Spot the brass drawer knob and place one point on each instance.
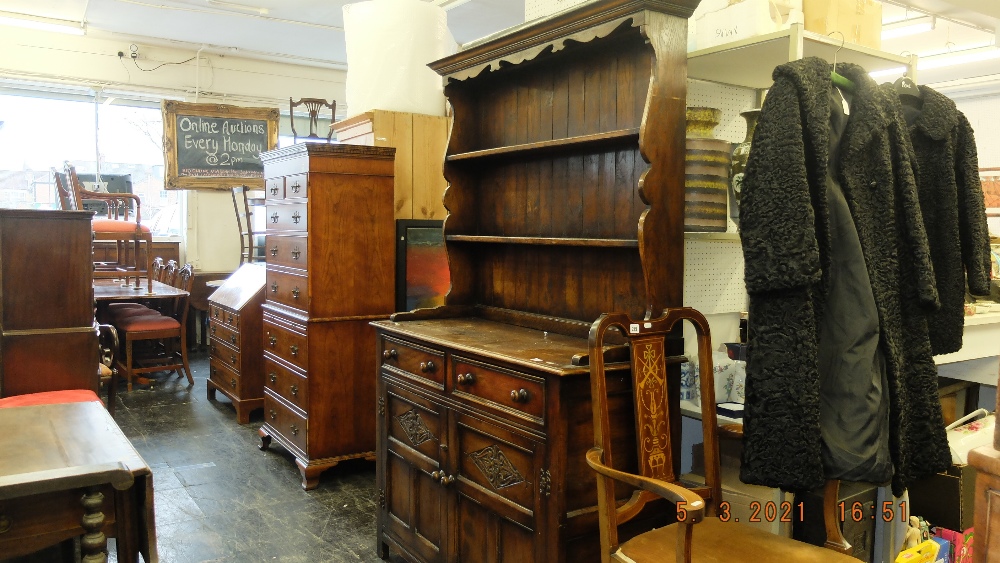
(294, 350)
(519, 396)
(5, 523)
(232, 359)
(466, 378)
(427, 366)
(274, 217)
(295, 293)
(296, 253)
(232, 338)
(389, 354)
(447, 479)
(272, 339)
(296, 217)
(274, 377)
(274, 250)
(295, 390)
(436, 475)
(233, 382)
(273, 414)
(213, 327)
(294, 429)
(274, 190)
(295, 187)
(274, 287)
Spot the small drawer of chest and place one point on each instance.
(285, 421)
(223, 316)
(423, 364)
(288, 289)
(222, 332)
(289, 251)
(286, 217)
(499, 388)
(295, 186)
(287, 344)
(224, 353)
(292, 386)
(224, 376)
(274, 188)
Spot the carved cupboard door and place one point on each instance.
(500, 485)
(413, 444)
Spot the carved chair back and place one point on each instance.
(313, 106)
(184, 279)
(169, 272)
(158, 268)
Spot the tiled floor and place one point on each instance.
(219, 498)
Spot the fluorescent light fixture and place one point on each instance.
(42, 24)
(904, 28)
(959, 58)
(894, 71)
(235, 6)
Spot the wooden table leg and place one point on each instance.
(94, 544)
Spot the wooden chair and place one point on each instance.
(313, 106)
(117, 226)
(703, 532)
(158, 327)
(108, 374)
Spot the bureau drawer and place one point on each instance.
(290, 424)
(223, 333)
(516, 393)
(292, 386)
(223, 315)
(224, 353)
(288, 289)
(423, 364)
(291, 217)
(274, 188)
(295, 186)
(286, 344)
(225, 377)
(287, 251)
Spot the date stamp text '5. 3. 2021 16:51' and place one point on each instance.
(787, 512)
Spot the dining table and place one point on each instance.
(106, 290)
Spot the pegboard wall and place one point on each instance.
(541, 8)
(730, 99)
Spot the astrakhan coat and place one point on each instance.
(785, 235)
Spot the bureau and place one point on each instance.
(235, 322)
(330, 270)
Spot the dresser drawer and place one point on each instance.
(423, 364)
(288, 289)
(506, 390)
(286, 344)
(290, 217)
(274, 188)
(291, 251)
(223, 315)
(224, 353)
(295, 186)
(223, 333)
(225, 377)
(289, 424)
(288, 383)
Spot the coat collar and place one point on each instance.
(938, 115)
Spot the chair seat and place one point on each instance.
(144, 323)
(116, 226)
(117, 307)
(740, 542)
(50, 398)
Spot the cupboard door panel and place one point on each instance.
(485, 537)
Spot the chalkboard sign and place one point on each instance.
(216, 146)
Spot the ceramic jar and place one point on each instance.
(739, 163)
(706, 173)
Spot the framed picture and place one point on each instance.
(422, 276)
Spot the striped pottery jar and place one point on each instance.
(706, 184)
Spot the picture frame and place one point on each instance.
(216, 146)
(422, 275)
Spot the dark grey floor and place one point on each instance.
(219, 498)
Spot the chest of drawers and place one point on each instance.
(330, 254)
(235, 320)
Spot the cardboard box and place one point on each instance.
(859, 20)
(946, 500)
(743, 19)
(961, 544)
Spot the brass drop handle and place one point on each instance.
(294, 350)
(213, 327)
(232, 359)
(274, 415)
(230, 321)
(389, 354)
(232, 338)
(274, 250)
(427, 366)
(212, 347)
(216, 313)
(274, 287)
(295, 217)
(295, 430)
(274, 190)
(295, 390)
(295, 293)
(274, 377)
(272, 339)
(233, 382)
(447, 479)
(296, 253)
(466, 378)
(274, 217)
(214, 371)
(295, 187)
(519, 396)
(5, 523)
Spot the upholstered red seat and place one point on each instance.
(116, 226)
(50, 398)
(147, 323)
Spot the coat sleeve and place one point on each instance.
(777, 222)
(973, 230)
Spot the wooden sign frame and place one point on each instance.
(172, 108)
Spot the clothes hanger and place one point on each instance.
(905, 87)
(838, 80)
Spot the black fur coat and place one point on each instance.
(951, 201)
(785, 235)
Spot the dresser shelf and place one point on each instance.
(540, 148)
(546, 241)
